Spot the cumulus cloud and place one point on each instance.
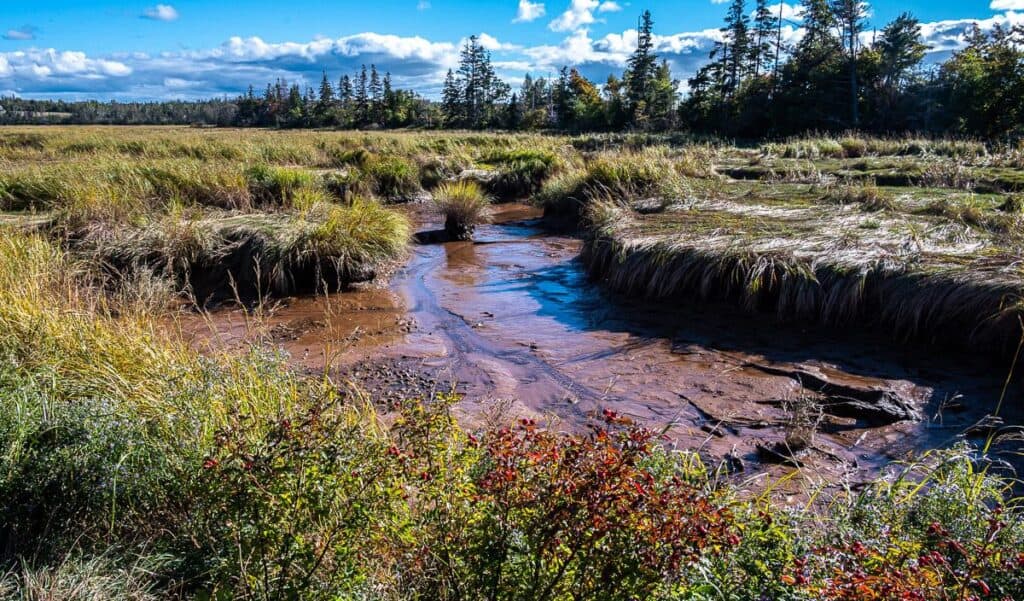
(609, 7)
(229, 68)
(579, 14)
(600, 57)
(945, 37)
(161, 12)
(788, 12)
(529, 11)
(25, 32)
(1007, 5)
(491, 43)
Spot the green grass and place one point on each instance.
(650, 172)
(520, 172)
(853, 146)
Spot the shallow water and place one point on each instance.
(513, 319)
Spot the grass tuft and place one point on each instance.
(464, 205)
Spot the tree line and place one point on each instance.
(839, 75)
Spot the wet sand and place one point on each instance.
(512, 323)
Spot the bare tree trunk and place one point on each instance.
(854, 108)
(778, 48)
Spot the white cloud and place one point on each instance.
(529, 11)
(52, 67)
(491, 43)
(177, 83)
(608, 6)
(951, 35)
(789, 12)
(26, 32)
(161, 12)
(1007, 5)
(579, 14)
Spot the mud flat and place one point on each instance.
(513, 323)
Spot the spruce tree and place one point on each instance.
(387, 99)
(641, 69)
(851, 15)
(737, 34)
(481, 89)
(451, 100)
(362, 98)
(325, 101)
(326, 90)
(765, 26)
(376, 96)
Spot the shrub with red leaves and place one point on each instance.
(943, 568)
(605, 516)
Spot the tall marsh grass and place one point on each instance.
(852, 146)
(217, 256)
(463, 205)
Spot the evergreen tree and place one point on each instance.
(326, 91)
(738, 46)
(376, 92)
(901, 50)
(641, 70)
(388, 99)
(451, 100)
(563, 99)
(663, 97)
(615, 104)
(534, 97)
(812, 93)
(345, 91)
(481, 89)
(515, 112)
(325, 102)
(527, 92)
(295, 107)
(362, 99)
(762, 50)
(851, 15)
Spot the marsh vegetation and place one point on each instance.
(135, 466)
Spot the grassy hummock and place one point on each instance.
(920, 237)
(246, 256)
(911, 272)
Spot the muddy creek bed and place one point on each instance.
(513, 322)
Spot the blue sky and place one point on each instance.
(197, 48)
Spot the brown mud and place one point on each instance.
(512, 323)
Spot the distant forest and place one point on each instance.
(754, 85)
